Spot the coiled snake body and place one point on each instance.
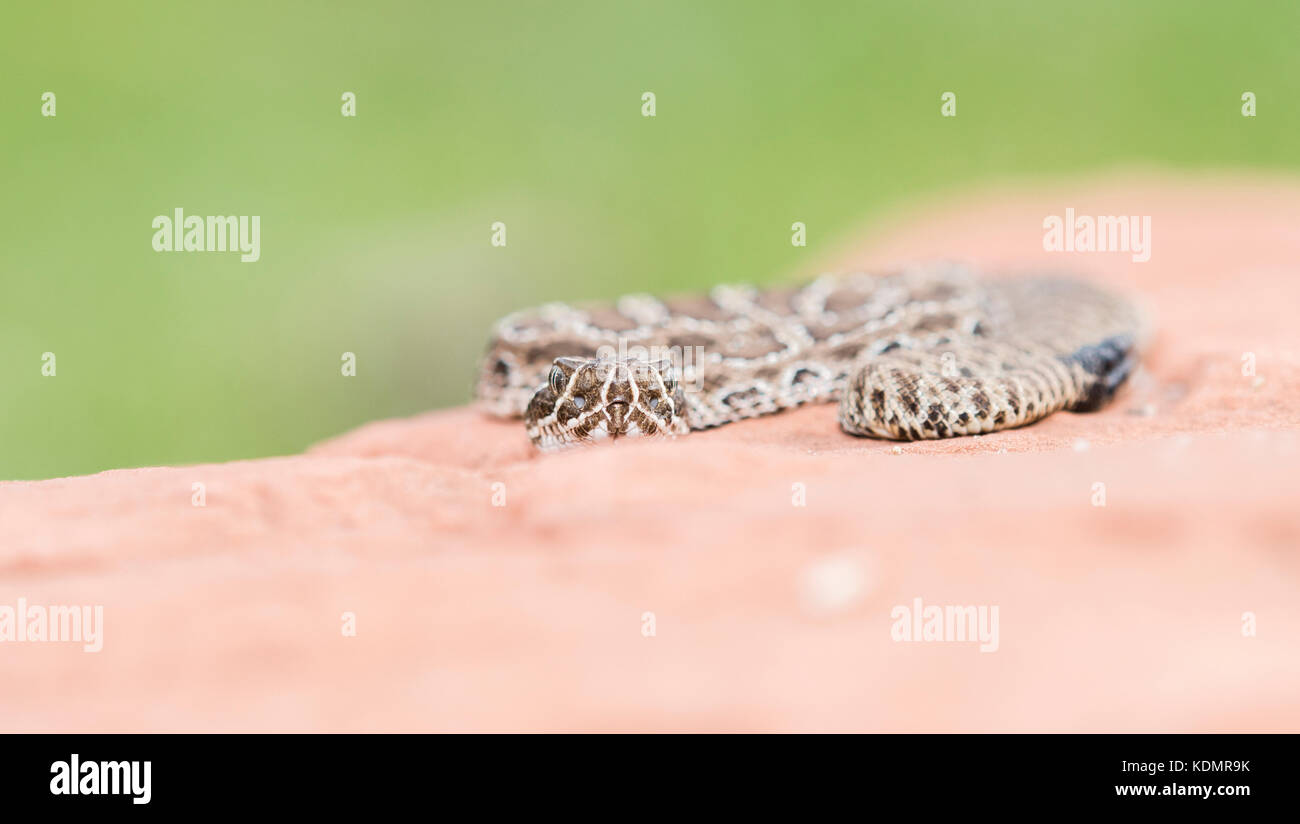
(929, 352)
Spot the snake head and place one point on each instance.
(587, 400)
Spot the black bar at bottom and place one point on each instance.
(332, 773)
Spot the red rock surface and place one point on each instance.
(768, 616)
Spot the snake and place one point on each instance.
(915, 353)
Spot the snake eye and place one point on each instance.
(557, 380)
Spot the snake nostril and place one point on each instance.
(617, 410)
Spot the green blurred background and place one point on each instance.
(375, 229)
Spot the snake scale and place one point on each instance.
(924, 352)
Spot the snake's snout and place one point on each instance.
(618, 416)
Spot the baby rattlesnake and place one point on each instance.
(928, 352)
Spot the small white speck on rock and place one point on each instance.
(1081, 445)
(835, 582)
